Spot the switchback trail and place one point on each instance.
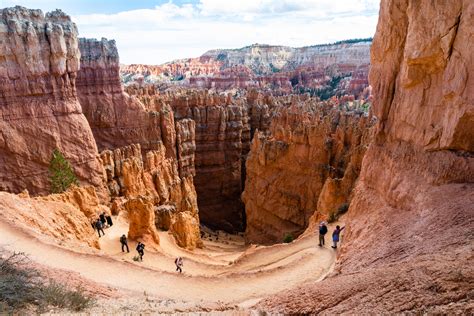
(229, 272)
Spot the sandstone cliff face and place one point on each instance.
(39, 109)
(147, 154)
(116, 119)
(62, 222)
(306, 166)
(222, 131)
(141, 185)
(326, 70)
(410, 222)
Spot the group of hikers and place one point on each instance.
(104, 221)
(141, 252)
(140, 247)
(323, 230)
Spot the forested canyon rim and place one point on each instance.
(264, 141)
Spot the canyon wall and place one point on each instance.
(116, 119)
(224, 125)
(338, 69)
(148, 156)
(306, 166)
(39, 109)
(222, 135)
(409, 236)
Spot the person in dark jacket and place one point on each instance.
(100, 227)
(108, 218)
(335, 236)
(141, 250)
(124, 242)
(323, 230)
(102, 218)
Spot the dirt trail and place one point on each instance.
(227, 271)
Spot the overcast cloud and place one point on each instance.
(179, 29)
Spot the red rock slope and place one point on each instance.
(409, 242)
(39, 109)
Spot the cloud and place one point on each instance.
(170, 31)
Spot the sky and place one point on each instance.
(157, 31)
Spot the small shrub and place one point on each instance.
(22, 286)
(334, 215)
(61, 174)
(343, 208)
(288, 238)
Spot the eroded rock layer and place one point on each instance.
(306, 166)
(116, 119)
(222, 134)
(325, 70)
(148, 155)
(410, 224)
(39, 109)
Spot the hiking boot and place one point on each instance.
(334, 247)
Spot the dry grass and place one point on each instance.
(22, 287)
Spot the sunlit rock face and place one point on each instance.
(303, 169)
(148, 156)
(39, 108)
(409, 226)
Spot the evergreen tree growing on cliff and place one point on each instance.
(61, 174)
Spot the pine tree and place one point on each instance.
(60, 173)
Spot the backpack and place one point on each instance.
(323, 230)
(123, 239)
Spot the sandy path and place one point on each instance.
(259, 272)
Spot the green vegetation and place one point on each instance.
(288, 238)
(22, 287)
(342, 209)
(347, 41)
(324, 93)
(274, 69)
(221, 57)
(60, 173)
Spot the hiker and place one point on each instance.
(124, 242)
(141, 250)
(109, 220)
(335, 235)
(323, 229)
(179, 264)
(99, 226)
(102, 218)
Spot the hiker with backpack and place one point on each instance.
(124, 242)
(102, 219)
(323, 229)
(108, 219)
(100, 227)
(141, 250)
(179, 264)
(335, 235)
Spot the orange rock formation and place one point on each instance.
(306, 166)
(409, 240)
(39, 109)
